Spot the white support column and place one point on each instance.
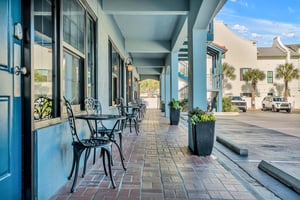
(168, 88)
(163, 86)
(197, 44)
(174, 76)
(219, 73)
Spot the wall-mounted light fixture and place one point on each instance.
(129, 65)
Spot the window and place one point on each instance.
(75, 76)
(78, 68)
(44, 73)
(269, 76)
(73, 24)
(242, 72)
(246, 94)
(116, 74)
(91, 72)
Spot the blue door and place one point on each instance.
(10, 100)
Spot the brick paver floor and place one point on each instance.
(159, 166)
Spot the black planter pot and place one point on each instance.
(162, 107)
(204, 137)
(174, 116)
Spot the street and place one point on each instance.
(270, 136)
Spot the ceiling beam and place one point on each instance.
(146, 7)
(148, 62)
(142, 70)
(144, 77)
(150, 46)
(180, 34)
(207, 12)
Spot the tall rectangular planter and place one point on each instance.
(204, 137)
(174, 116)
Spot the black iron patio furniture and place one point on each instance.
(108, 134)
(80, 145)
(99, 130)
(131, 112)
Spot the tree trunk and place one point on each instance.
(286, 90)
(253, 96)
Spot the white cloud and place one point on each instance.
(262, 30)
(288, 35)
(240, 28)
(255, 35)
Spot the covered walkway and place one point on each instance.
(159, 166)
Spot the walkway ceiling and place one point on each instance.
(154, 28)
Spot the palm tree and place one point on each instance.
(227, 72)
(288, 72)
(254, 75)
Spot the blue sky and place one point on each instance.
(262, 20)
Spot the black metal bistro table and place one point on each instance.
(109, 133)
(99, 117)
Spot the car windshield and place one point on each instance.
(278, 99)
(237, 98)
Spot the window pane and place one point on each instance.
(43, 59)
(91, 57)
(73, 24)
(270, 76)
(73, 78)
(115, 68)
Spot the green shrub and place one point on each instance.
(226, 104)
(175, 104)
(197, 115)
(234, 108)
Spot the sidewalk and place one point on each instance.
(159, 166)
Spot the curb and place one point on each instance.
(233, 146)
(280, 175)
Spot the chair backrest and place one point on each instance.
(121, 108)
(42, 108)
(71, 121)
(92, 106)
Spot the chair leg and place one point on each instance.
(109, 158)
(103, 160)
(130, 125)
(121, 154)
(94, 159)
(73, 164)
(77, 161)
(136, 127)
(87, 154)
(121, 146)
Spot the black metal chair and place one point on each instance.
(81, 145)
(130, 116)
(93, 106)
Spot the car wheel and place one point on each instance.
(244, 110)
(264, 107)
(288, 110)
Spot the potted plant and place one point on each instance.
(203, 131)
(174, 111)
(162, 105)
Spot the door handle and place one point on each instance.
(20, 70)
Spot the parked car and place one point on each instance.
(239, 102)
(275, 104)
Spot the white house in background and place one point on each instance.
(244, 54)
